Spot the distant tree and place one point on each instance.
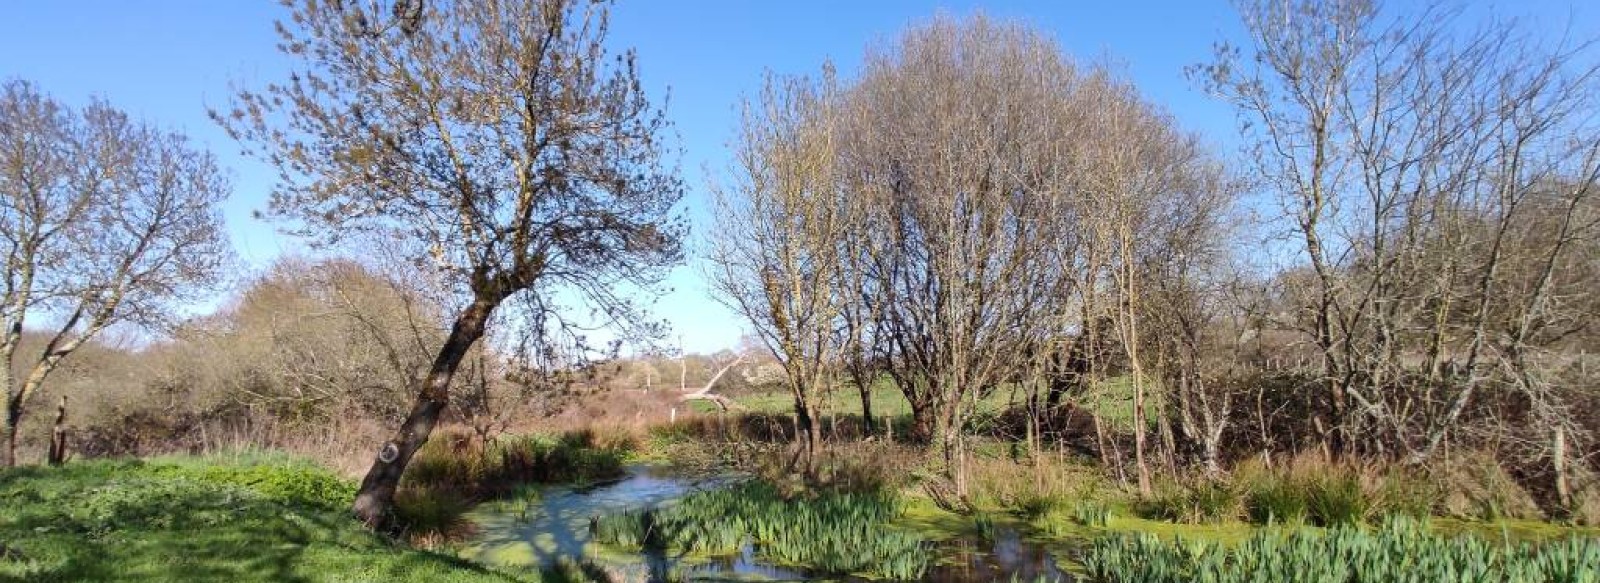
(103, 220)
(498, 140)
(306, 341)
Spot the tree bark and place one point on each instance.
(1558, 459)
(13, 416)
(58, 436)
(869, 426)
(375, 499)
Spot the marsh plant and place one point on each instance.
(830, 532)
(1091, 513)
(1402, 550)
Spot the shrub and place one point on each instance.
(454, 463)
(1477, 487)
(1214, 501)
(1408, 493)
(1034, 505)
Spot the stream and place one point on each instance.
(539, 530)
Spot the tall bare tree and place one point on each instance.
(958, 136)
(778, 261)
(104, 220)
(499, 138)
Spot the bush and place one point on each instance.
(455, 463)
(1034, 505)
(1407, 493)
(1477, 487)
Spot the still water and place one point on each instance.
(553, 524)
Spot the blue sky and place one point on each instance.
(167, 60)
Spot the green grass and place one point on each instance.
(194, 519)
(1403, 550)
(1112, 399)
(887, 402)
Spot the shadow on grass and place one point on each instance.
(121, 521)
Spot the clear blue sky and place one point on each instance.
(167, 60)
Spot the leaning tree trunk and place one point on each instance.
(375, 499)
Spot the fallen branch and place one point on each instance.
(704, 393)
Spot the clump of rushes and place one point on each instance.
(1275, 500)
(1402, 550)
(1338, 499)
(830, 532)
(1091, 513)
(1203, 502)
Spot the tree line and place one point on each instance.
(973, 211)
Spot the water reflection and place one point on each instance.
(537, 531)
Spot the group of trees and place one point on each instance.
(969, 206)
(974, 210)
(1440, 184)
(971, 212)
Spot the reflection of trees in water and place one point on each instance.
(556, 531)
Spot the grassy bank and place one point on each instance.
(236, 519)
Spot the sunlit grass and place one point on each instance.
(265, 518)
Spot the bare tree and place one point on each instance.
(104, 220)
(778, 261)
(958, 137)
(308, 340)
(500, 139)
(1404, 150)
